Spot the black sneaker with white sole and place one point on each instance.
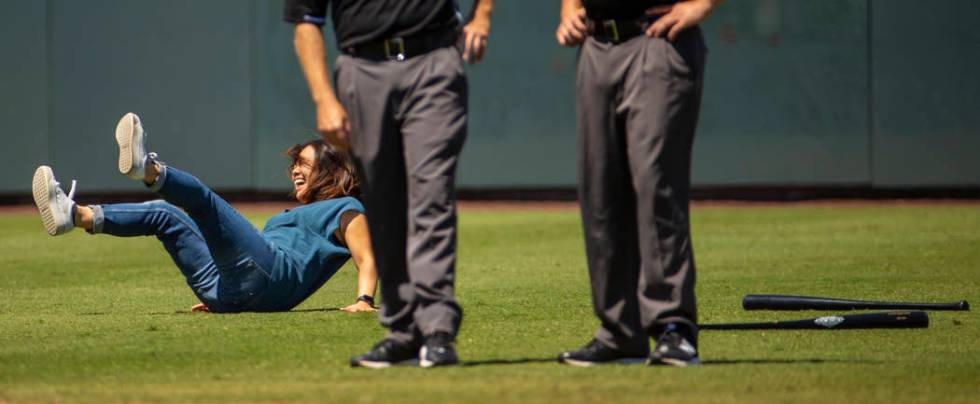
(674, 350)
(597, 353)
(438, 350)
(385, 354)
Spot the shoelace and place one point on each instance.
(71, 191)
(152, 156)
(595, 345)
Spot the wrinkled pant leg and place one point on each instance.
(606, 198)
(243, 256)
(434, 130)
(368, 92)
(179, 235)
(661, 101)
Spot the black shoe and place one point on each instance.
(438, 351)
(385, 354)
(597, 353)
(675, 350)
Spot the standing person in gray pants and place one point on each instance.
(638, 92)
(400, 105)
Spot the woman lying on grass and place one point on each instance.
(228, 263)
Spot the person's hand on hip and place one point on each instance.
(677, 17)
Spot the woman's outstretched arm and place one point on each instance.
(358, 241)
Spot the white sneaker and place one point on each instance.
(132, 146)
(53, 204)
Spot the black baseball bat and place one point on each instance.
(894, 319)
(784, 302)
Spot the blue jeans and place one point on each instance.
(226, 260)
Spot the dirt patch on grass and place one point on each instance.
(5, 209)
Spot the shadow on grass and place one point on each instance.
(521, 361)
(314, 310)
(815, 361)
(518, 361)
(167, 313)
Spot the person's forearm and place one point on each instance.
(569, 7)
(714, 3)
(367, 276)
(358, 240)
(312, 56)
(482, 9)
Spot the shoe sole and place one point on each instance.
(384, 365)
(623, 361)
(126, 134)
(430, 364)
(44, 192)
(675, 362)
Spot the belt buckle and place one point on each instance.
(611, 28)
(399, 43)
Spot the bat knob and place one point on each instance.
(964, 305)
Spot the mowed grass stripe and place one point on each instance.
(93, 318)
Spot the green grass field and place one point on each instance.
(95, 318)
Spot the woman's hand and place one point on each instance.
(200, 308)
(359, 307)
(358, 241)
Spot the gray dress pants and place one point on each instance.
(408, 121)
(637, 108)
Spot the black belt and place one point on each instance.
(618, 31)
(401, 48)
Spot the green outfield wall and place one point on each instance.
(872, 93)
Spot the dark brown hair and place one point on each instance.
(332, 175)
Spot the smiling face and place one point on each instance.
(320, 171)
(302, 172)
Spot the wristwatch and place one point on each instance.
(366, 298)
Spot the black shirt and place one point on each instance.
(357, 22)
(619, 9)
